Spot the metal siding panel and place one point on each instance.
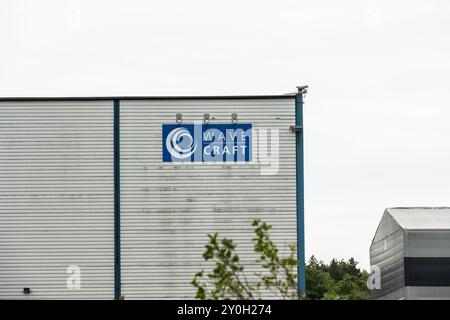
(428, 243)
(167, 210)
(56, 198)
(387, 252)
(427, 293)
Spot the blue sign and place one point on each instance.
(207, 142)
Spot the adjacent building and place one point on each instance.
(411, 248)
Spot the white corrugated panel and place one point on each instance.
(56, 199)
(167, 209)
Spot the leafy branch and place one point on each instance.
(227, 279)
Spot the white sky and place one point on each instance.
(376, 115)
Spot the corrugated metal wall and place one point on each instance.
(167, 210)
(56, 198)
(57, 205)
(430, 244)
(387, 252)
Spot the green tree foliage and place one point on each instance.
(338, 280)
(227, 279)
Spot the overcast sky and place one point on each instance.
(376, 116)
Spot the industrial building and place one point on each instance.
(411, 248)
(119, 193)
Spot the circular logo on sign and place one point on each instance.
(180, 143)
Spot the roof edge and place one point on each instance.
(406, 208)
(102, 98)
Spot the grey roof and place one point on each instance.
(421, 218)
